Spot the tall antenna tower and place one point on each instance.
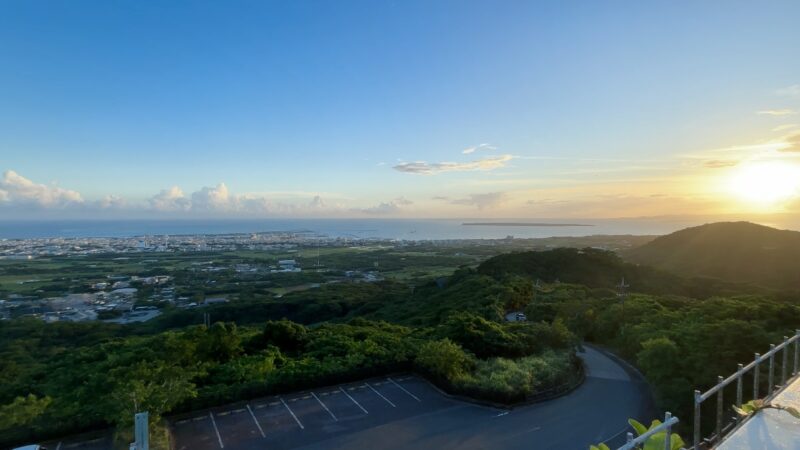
(622, 292)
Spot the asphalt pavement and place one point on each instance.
(406, 412)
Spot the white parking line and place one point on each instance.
(323, 405)
(381, 395)
(404, 390)
(256, 421)
(292, 413)
(58, 447)
(216, 430)
(354, 400)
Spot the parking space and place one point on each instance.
(196, 433)
(303, 418)
(81, 443)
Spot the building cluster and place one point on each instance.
(272, 241)
(113, 300)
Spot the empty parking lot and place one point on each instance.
(81, 443)
(300, 419)
(406, 412)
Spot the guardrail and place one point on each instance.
(667, 425)
(756, 368)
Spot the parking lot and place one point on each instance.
(404, 411)
(81, 443)
(304, 418)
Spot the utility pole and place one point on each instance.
(622, 292)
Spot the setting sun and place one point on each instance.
(765, 183)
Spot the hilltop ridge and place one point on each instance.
(741, 252)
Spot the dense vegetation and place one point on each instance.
(63, 377)
(603, 269)
(679, 342)
(740, 252)
(681, 332)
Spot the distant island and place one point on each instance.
(525, 224)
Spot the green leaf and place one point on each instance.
(677, 442)
(640, 429)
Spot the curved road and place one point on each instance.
(405, 412)
(595, 412)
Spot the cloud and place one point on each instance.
(440, 198)
(545, 201)
(790, 91)
(171, 199)
(111, 202)
(483, 201)
(476, 148)
(777, 112)
(317, 203)
(784, 127)
(720, 163)
(389, 207)
(424, 168)
(18, 190)
(792, 143)
(214, 198)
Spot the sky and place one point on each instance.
(524, 109)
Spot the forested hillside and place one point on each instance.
(602, 269)
(681, 332)
(681, 340)
(739, 252)
(67, 377)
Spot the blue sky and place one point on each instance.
(323, 108)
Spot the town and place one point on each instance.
(135, 279)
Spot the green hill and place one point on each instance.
(599, 269)
(740, 252)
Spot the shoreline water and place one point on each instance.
(400, 229)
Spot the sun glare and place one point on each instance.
(766, 183)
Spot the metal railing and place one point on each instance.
(667, 425)
(756, 368)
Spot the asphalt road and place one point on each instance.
(407, 412)
(100, 442)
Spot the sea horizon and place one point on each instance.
(360, 228)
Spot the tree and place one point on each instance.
(444, 359)
(221, 342)
(285, 334)
(658, 358)
(23, 411)
(155, 387)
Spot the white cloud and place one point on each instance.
(790, 91)
(317, 203)
(777, 112)
(389, 207)
(214, 198)
(720, 163)
(476, 148)
(424, 168)
(483, 201)
(18, 190)
(219, 199)
(784, 127)
(111, 202)
(171, 199)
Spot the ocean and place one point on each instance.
(409, 229)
